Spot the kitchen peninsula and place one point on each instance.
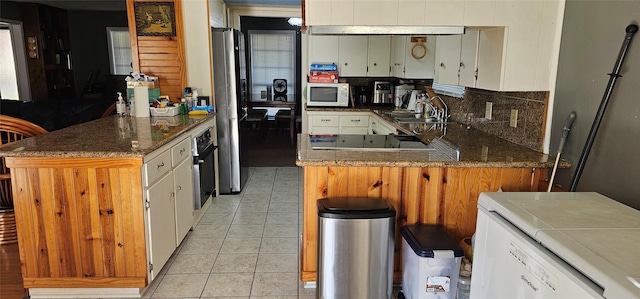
(424, 187)
(101, 206)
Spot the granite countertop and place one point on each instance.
(110, 137)
(476, 149)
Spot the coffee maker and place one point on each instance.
(362, 95)
(382, 92)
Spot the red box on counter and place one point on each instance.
(323, 77)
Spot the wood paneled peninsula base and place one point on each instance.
(423, 189)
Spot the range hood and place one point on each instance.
(385, 30)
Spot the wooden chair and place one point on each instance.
(11, 130)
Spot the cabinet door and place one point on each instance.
(398, 43)
(490, 59)
(183, 182)
(447, 59)
(468, 58)
(379, 56)
(353, 56)
(161, 215)
(323, 49)
(422, 68)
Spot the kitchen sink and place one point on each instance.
(428, 121)
(400, 114)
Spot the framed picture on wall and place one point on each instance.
(155, 18)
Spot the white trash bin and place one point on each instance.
(430, 263)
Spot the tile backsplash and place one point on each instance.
(531, 108)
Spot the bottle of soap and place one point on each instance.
(121, 107)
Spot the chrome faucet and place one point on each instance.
(442, 115)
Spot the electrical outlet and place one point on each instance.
(488, 110)
(513, 121)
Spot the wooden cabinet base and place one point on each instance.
(80, 222)
(442, 196)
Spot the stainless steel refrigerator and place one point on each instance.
(229, 81)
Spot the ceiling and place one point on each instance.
(120, 5)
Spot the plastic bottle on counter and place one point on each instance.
(183, 107)
(121, 107)
(464, 280)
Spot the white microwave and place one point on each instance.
(328, 94)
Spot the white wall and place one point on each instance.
(197, 41)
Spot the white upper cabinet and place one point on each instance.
(468, 58)
(324, 49)
(456, 58)
(528, 63)
(379, 56)
(406, 60)
(398, 43)
(447, 59)
(491, 46)
(353, 55)
(417, 63)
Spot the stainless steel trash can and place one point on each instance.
(355, 248)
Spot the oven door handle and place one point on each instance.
(197, 160)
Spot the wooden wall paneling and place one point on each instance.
(411, 196)
(21, 187)
(161, 56)
(133, 36)
(315, 186)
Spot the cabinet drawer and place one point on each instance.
(324, 120)
(181, 151)
(354, 121)
(354, 130)
(157, 166)
(324, 130)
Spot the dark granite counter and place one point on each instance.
(111, 137)
(475, 148)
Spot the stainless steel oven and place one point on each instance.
(203, 167)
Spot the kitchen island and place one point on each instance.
(424, 187)
(101, 206)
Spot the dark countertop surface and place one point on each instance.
(110, 137)
(476, 148)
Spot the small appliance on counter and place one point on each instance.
(382, 92)
(399, 92)
(362, 95)
(328, 94)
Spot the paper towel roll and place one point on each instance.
(141, 96)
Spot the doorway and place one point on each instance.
(273, 53)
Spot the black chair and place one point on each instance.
(257, 119)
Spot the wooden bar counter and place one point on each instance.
(424, 189)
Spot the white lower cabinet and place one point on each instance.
(379, 126)
(161, 209)
(168, 181)
(183, 183)
(337, 122)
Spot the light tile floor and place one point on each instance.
(246, 246)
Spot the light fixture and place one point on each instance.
(295, 21)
